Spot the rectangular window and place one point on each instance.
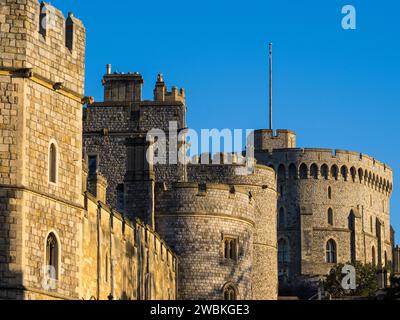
(92, 164)
(230, 248)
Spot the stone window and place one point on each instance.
(334, 172)
(230, 248)
(303, 171)
(331, 251)
(330, 216)
(353, 173)
(52, 255)
(53, 163)
(230, 292)
(329, 193)
(344, 172)
(352, 228)
(325, 171)
(360, 174)
(314, 171)
(92, 163)
(69, 33)
(283, 252)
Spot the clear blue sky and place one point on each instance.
(335, 88)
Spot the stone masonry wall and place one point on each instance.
(123, 259)
(194, 223)
(262, 186)
(310, 181)
(42, 85)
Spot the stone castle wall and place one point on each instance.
(123, 259)
(41, 95)
(262, 186)
(42, 85)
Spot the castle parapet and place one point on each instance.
(120, 87)
(161, 93)
(265, 139)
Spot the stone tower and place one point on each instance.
(333, 207)
(41, 87)
(124, 114)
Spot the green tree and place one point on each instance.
(366, 281)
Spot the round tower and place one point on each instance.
(261, 184)
(333, 207)
(211, 229)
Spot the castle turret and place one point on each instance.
(41, 87)
(265, 139)
(120, 87)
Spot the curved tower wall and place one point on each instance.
(195, 221)
(262, 186)
(312, 181)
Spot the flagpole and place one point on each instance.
(270, 85)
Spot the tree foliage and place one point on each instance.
(366, 281)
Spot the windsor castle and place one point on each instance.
(84, 215)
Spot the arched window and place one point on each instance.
(292, 172)
(353, 173)
(53, 163)
(283, 251)
(360, 174)
(331, 251)
(230, 292)
(352, 229)
(329, 193)
(303, 171)
(281, 219)
(281, 173)
(230, 248)
(334, 172)
(52, 255)
(344, 172)
(330, 216)
(69, 33)
(373, 256)
(325, 171)
(314, 171)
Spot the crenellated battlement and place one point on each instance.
(332, 164)
(266, 139)
(161, 92)
(211, 199)
(37, 37)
